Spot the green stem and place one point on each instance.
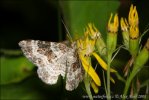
(136, 89)
(128, 82)
(104, 82)
(108, 78)
(126, 88)
(87, 86)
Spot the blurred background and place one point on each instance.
(42, 20)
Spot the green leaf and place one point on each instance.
(10, 52)
(78, 14)
(26, 90)
(14, 69)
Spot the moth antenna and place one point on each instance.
(68, 33)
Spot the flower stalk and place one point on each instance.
(111, 46)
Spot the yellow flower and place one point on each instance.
(89, 69)
(113, 26)
(86, 48)
(112, 34)
(133, 21)
(133, 16)
(95, 35)
(93, 31)
(125, 31)
(134, 32)
(124, 24)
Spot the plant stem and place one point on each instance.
(126, 88)
(87, 86)
(104, 82)
(128, 82)
(108, 77)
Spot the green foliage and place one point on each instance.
(77, 14)
(14, 69)
(26, 90)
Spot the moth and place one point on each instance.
(54, 59)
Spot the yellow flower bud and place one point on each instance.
(133, 16)
(93, 31)
(124, 24)
(134, 32)
(113, 26)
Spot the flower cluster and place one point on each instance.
(86, 49)
(92, 46)
(130, 31)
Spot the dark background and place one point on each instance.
(28, 19)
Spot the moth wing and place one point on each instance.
(50, 57)
(75, 71)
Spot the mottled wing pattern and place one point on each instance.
(75, 71)
(54, 59)
(50, 57)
